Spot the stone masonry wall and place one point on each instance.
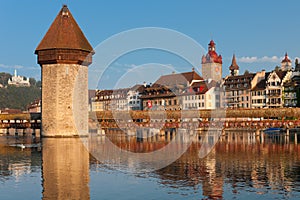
(61, 85)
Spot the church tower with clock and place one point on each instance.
(212, 63)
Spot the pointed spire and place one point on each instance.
(286, 58)
(212, 43)
(234, 65)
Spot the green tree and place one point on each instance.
(18, 97)
(39, 84)
(32, 81)
(4, 78)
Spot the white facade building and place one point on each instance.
(19, 81)
(201, 95)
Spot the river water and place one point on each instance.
(239, 165)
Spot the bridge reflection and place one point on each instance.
(238, 160)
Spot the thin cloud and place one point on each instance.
(255, 59)
(11, 66)
(3, 66)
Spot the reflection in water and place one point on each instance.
(65, 169)
(240, 165)
(139, 154)
(17, 165)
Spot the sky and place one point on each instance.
(259, 33)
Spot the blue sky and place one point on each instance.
(258, 32)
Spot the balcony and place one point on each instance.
(274, 94)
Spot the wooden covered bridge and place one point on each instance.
(191, 119)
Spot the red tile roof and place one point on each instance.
(64, 33)
(286, 58)
(178, 79)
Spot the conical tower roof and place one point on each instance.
(64, 33)
(234, 65)
(64, 42)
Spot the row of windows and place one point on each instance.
(242, 98)
(194, 105)
(242, 105)
(239, 92)
(163, 102)
(258, 93)
(134, 102)
(291, 95)
(258, 101)
(133, 97)
(238, 85)
(193, 97)
(274, 83)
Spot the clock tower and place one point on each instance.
(212, 63)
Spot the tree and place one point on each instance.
(38, 84)
(32, 81)
(4, 78)
(246, 72)
(277, 68)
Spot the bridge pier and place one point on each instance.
(257, 132)
(287, 132)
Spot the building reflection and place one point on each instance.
(238, 161)
(65, 169)
(14, 161)
(241, 160)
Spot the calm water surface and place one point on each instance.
(240, 166)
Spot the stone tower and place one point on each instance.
(64, 55)
(212, 63)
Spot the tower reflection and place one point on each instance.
(65, 169)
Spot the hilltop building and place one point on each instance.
(18, 80)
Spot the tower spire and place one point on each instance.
(286, 63)
(234, 68)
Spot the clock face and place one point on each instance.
(217, 69)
